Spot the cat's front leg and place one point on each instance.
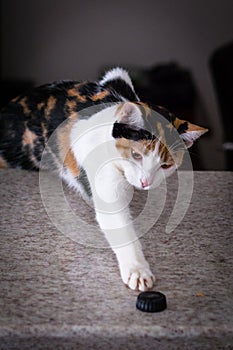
(113, 216)
(134, 269)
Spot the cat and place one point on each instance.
(102, 123)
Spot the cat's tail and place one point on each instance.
(119, 80)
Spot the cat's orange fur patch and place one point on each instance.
(66, 153)
(71, 163)
(193, 127)
(44, 131)
(71, 109)
(74, 93)
(15, 99)
(99, 96)
(163, 152)
(23, 104)
(178, 122)
(148, 145)
(50, 106)
(28, 137)
(40, 105)
(143, 147)
(190, 127)
(125, 146)
(3, 163)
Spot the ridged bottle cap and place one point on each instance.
(151, 302)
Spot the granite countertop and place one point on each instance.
(56, 293)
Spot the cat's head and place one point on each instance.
(151, 144)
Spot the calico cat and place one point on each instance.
(104, 136)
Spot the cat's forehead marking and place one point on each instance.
(161, 127)
(142, 146)
(148, 145)
(169, 119)
(157, 147)
(153, 123)
(124, 145)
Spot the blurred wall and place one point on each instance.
(47, 40)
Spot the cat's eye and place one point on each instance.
(136, 155)
(166, 166)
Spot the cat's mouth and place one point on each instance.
(145, 184)
(141, 188)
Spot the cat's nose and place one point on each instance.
(144, 183)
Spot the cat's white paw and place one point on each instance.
(137, 277)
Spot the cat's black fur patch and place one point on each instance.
(122, 88)
(127, 132)
(183, 128)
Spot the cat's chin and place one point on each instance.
(146, 188)
(143, 188)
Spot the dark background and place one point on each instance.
(46, 40)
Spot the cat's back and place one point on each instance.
(28, 120)
(44, 103)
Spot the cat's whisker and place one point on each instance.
(174, 145)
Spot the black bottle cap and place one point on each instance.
(151, 302)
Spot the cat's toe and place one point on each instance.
(133, 281)
(141, 280)
(146, 282)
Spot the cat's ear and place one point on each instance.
(189, 132)
(129, 113)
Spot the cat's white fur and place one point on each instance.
(116, 73)
(94, 149)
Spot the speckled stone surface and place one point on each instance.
(58, 294)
